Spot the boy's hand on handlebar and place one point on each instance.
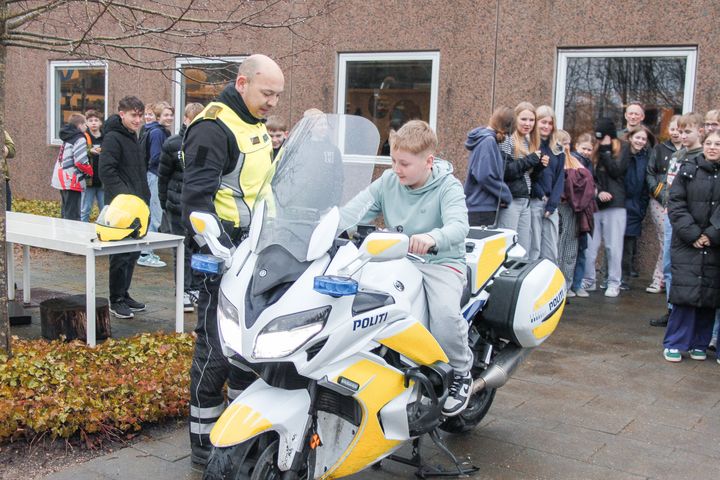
(421, 243)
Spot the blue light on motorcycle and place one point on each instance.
(207, 264)
(335, 286)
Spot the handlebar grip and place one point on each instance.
(433, 250)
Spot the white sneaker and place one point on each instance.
(150, 260)
(612, 292)
(589, 287)
(582, 293)
(570, 294)
(654, 288)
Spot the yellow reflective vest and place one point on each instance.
(239, 188)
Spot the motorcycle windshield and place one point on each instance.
(326, 160)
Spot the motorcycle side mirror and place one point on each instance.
(256, 224)
(324, 235)
(382, 246)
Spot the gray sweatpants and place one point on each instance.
(517, 217)
(543, 232)
(443, 290)
(609, 228)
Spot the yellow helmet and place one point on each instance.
(126, 216)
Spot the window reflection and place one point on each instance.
(203, 82)
(77, 89)
(603, 86)
(389, 93)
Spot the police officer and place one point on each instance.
(228, 153)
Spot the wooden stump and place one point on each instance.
(66, 316)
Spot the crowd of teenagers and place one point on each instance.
(564, 197)
(568, 197)
(76, 172)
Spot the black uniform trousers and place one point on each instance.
(209, 371)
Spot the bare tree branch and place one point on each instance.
(145, 34)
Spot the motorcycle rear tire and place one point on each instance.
(472, 416)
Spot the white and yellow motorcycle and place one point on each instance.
(337, 330)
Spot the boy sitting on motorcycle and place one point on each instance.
(421, 195)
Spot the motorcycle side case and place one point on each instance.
(526, 302)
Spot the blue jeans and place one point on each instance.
(580, 262)
(667, 275)
(155, 209)
(86, 202)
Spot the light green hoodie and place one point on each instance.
(437, 208)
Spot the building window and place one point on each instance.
(201, 80)
(75, 87)
(601, 82)
(389, 89)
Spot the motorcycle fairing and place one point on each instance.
(378, 385)
(256, 410)
(411, 339)
(488, 255)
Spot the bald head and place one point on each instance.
(260, 82)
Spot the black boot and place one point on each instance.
(660, 322)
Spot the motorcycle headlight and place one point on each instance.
(227, 311)
(288, 333)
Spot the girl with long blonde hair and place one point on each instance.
(522, 156)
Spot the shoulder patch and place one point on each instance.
(212, 112)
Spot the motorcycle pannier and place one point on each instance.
(526, 302)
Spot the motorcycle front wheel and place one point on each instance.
(232, 463)
(266, 467)
(471, 417)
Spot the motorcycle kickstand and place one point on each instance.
(427, 471)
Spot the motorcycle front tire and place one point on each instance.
(232, 463)
(266, 467)
(471, 417)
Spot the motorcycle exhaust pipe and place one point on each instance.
(501, 369)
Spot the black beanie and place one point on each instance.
(605, 126)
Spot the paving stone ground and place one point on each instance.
(596, 401)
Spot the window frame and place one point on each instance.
(690, 53)
(178, 78)
(341, 87)
(53, 65)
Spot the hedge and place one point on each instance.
(66, 389)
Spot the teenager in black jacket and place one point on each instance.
(170, 183)
(610, 168)
(122, 170)
(694, 211)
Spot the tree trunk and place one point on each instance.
(66, 316)
(4, 318)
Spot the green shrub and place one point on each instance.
(63, 389)
(45, 208)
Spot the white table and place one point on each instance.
(79, 238)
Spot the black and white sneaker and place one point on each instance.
(459, 395)
(121, 310)
(188, 305)
(134, 305)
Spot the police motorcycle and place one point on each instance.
(337, 330)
